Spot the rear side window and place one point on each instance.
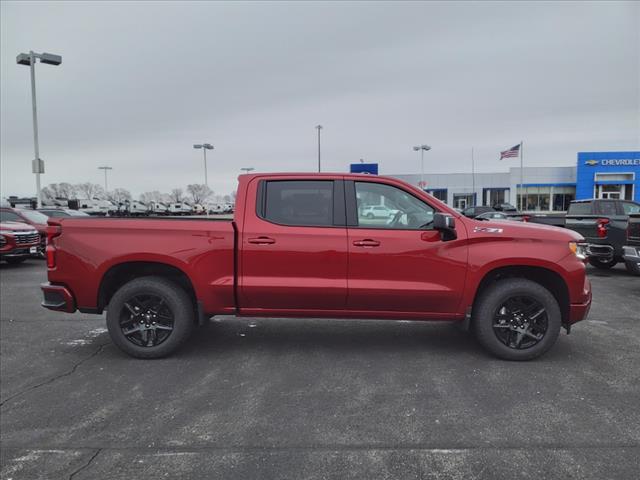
(299, 202)
(607, 208)
(582, 208)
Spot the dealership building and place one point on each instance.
(545, 189)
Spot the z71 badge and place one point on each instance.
(487, 230)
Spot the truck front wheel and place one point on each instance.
(150, 317)
(517, 319)
(602, 263)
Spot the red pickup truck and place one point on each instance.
(300, 246)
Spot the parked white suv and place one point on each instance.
(378, 211)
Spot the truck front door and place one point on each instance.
(293, 246)
(400, 264)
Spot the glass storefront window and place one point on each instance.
(539, 199)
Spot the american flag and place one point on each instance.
(512, 152)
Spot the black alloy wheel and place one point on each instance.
(150, 317)
(521, 322)
(146, 320)
(516, 319)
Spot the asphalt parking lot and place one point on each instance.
(316, 399)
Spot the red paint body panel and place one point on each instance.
(276, 270)
(202, 249)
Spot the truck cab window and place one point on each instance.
(385, 206)
(630, 208)
(299, 202)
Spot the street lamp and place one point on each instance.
(29, 59)
(247, 169)
(105, 177)
(422, 149)
(319, 127)
(205, 147)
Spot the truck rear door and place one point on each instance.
(293, 246)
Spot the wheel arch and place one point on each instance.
(121, 273)
(549, 279)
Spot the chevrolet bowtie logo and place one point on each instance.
(591, 163)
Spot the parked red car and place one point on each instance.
(299, 246)
(17, 241)
(31, 217)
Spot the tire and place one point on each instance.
(632, 268)
(496, 304)
(602, 264)
(150, 294)
(369, 215)
(15, 260)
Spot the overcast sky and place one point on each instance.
(142, 82)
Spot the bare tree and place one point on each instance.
(199, 193)
(227, 199)
(119, 195)
(149, 197)
(89, 190)
(176, 195)
(60, 190)
(47, 194)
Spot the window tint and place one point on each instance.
(55, 213)
(6, 216)
(35, 217)
(607, 208)
(299, 202)
(402, 210)
(582, 208)
(630, 208)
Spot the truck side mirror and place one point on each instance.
(446, 225)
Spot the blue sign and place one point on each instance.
(370, 168)
(616, 174)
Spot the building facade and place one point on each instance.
(545, 189)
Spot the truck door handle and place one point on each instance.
(367, 242)
(262, 240)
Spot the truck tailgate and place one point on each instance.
(585, 225)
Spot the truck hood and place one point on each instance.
(515, 229)
(16, 227)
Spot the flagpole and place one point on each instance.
(473, 179)
(521, 175)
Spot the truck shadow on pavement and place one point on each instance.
(329, 336)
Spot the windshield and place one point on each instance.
(35, 217)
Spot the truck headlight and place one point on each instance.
(579, 249)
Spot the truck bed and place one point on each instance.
(92, 250)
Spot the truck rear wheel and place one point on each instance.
(150, 317)
(602, 264)
(517, 319)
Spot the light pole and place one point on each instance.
(105, 177)
(319, 127)
(422, 149)
(205, 147)
(247, 169)
(30, 60)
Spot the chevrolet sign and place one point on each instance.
(591, 163)
(625, 162)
